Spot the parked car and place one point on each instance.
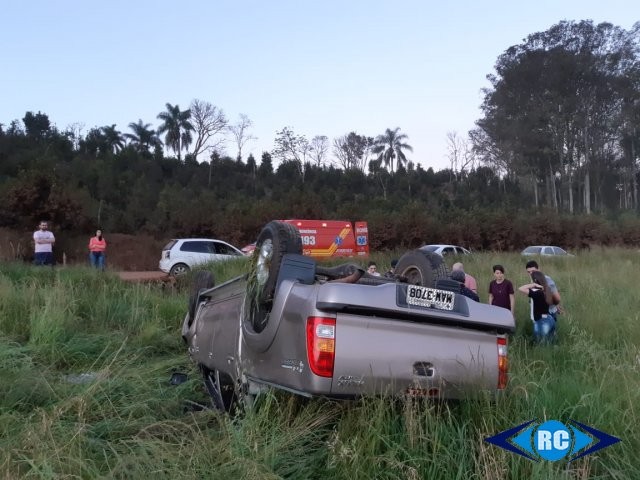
(293, 324)
(182, 254)
(444, 250)
(546, 250)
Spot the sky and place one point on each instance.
(319, 67)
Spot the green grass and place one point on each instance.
(129, 422)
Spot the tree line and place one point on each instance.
(555, 154)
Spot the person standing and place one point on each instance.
(43, 240)
(501, 293)
(97, 248)
(554, 308)
(458, 276)
(469, 281)
(544, 324)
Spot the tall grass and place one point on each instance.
(85, 362)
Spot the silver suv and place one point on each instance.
(182, 254)
(545, 250)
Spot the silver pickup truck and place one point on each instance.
(312, 330)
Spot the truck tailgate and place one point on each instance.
(377, 355)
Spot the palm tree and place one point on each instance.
(178, 128)
(143, 137)
(113, 138)
(389, 146)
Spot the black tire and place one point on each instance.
(422, 268)
(202, 280)
(179, 269)
(275, 240)
(220, 389)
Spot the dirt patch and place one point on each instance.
(124, 252)
(151, 277)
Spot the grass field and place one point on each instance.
(85, 362)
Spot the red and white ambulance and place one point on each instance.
(330, 238)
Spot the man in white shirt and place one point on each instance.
(43, 240)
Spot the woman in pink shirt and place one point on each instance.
(97, 247)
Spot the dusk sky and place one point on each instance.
(320, 67)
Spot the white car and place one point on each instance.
(546, 250)
(444, 250)
(182, 254)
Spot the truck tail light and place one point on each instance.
(321, 345)
(503, 363)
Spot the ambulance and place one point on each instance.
(332, 238)
(329, 238)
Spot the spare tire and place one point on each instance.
(275, 240)
(202, 280)
(421, 268)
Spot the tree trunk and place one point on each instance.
(634, 172)
(587, 192)
(587, 180)
(554, 193)
(571, 193)
(535, 191)
(561, 168)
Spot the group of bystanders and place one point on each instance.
(542, 292)
(44, 240)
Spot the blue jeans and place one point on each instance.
(544, 329)
(97, 259)
(43, 258)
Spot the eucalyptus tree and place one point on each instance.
(460, 154)
(319, 146)
(554, 107)
(389, 147)
(292, 148)
(240, 133)
(177, 128)
(37, 126)
(352, 151)
(143, 137)
(209, 123)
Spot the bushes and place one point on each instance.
(502, 231)
(405, 226)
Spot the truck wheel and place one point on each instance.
(275, 240)
(421, 268)
(202, 281)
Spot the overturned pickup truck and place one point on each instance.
(293, 324)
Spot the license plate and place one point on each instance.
(430, 297)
